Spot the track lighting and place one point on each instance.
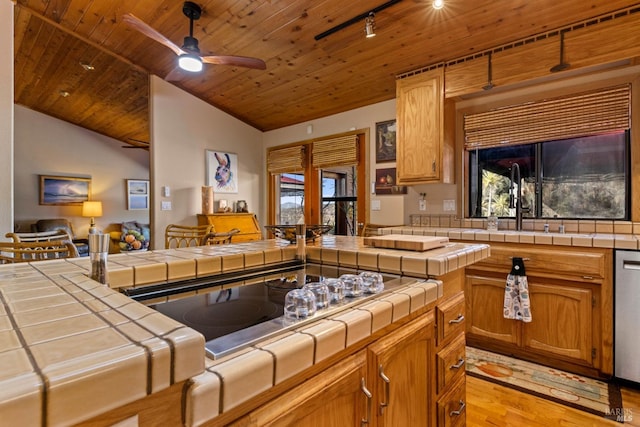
(370, 25)
(438, 4)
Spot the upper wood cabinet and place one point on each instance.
(424, 144)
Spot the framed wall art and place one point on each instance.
(386, 141)
(386, 182)
(222, 171)
(64, 190)
(137, 194)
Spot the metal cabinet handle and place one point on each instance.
(458, 319)
(387, 386)
(458, 365)
(460, 409)
(367, 393)
(433, 166)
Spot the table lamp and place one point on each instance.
(92, 209)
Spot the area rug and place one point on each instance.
(586, 394)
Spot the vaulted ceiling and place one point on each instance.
(78, 61)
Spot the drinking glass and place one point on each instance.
(373, 283)
(353, 286)
(336, 290)
(299, 304)
(321, 292)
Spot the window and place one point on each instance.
(290, 209)
(339, 200)
(572, 178)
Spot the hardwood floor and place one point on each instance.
(489, 404)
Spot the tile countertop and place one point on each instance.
(66, 339)
(595, 240)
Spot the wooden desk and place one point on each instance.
(247, 223)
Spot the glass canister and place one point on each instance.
(98, 251)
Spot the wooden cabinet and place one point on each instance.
(424, 151)
(401, 375)
(571, 325)
(335, 398)
(247, 223)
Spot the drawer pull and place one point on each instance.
(367, 393)
(458, 365)
(459, 411)
(387, 386)
(458, 319)
(587, 277)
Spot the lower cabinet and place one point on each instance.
(390, 383)
(401, 375)
(563, 323)
(337, 397)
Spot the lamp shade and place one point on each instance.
(91, 209)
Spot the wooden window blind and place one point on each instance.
(589, 113)
(338, 151)
(289, 159)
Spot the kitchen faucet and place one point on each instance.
(515, 201)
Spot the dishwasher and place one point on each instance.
(627, 315)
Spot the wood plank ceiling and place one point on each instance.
(305, 79)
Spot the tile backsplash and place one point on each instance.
(570, 225)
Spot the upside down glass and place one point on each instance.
(299, 304)
(321, 292)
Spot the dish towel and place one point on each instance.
(516, 293)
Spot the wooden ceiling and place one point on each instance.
(305, 79)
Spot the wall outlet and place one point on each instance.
(165, 206)
(166, 191)
(448, 205)
(375, 205)
(422, 205)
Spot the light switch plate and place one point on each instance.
(375, 205)
(166, 191)
(422, 205)
(165, 206)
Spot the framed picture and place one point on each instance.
(222, 171)
(64, 190)
(137, 194)
(386, 141)
(385, 182)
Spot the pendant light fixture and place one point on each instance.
(489, 84)
(438, 4)
(370, 25)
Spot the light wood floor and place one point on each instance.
(489, 404)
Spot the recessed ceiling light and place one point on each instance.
(438, 4)
(87, 67)
(64, 93)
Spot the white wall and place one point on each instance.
(6, 115)
(48, 146)
(182, 128)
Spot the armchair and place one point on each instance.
(62, 224)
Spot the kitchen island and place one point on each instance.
(77, 352)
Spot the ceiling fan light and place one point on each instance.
(190, 62)
(438, 4)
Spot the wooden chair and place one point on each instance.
(220, 238)
(183, 236)
(14, 252)
(43, 236)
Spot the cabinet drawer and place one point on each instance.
(452, 407)
(584, 264)
(450, 362)
(451, 319)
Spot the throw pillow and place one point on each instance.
(133, 238)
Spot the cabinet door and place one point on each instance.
(419, 103)
(562, 321)
(402, 375)
(334, 398)
(485, 307)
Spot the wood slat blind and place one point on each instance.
(289, 159)
(338, 151)
(584, 114)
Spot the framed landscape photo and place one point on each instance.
(386, 141)
(222, 171)
(64, 190)
(386, 182)
(137, 194)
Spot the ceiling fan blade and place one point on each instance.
(145, 29)
(240, 61)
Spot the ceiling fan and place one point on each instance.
(189, 57)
